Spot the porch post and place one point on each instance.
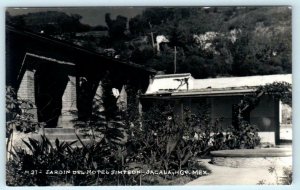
(277, 122)
(26, 90)
(98, 97)
(122, 99)
(69, 105)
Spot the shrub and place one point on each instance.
(243, 137)
(166, 141)
(19, 117)
(42, 156)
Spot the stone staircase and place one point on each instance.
(62, 134)
(68, 135)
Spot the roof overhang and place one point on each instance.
(207, 93)
(71, 51)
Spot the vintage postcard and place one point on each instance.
(120, 96)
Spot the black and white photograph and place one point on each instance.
(147, 96)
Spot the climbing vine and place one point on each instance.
(277, 90)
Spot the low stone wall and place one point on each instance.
(254, 158)
(236, 162)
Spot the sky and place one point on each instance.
(90, 15)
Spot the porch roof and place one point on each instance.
(67, 47)
(166, 87)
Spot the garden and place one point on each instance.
(156, 147)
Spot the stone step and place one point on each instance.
(57, 130)
(61, 137)
(62, 134)
(76, 144)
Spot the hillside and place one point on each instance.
(210, 41)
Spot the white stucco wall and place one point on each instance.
(169, 82)
(263, 116)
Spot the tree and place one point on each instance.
(248, 40)
(117, 27)
(50, 22)
(138, 26)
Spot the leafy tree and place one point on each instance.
(117, 27)
(248, 41)
(138, 26)
(50, 22)
(253, 52)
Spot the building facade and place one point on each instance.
(220, 95)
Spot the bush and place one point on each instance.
(244, 137)
(29, 167)
(18, 114)
(168, 142)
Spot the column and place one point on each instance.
(122, 99)
(276, 122)
(97, 102)
(69, 105)
(26, 91)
